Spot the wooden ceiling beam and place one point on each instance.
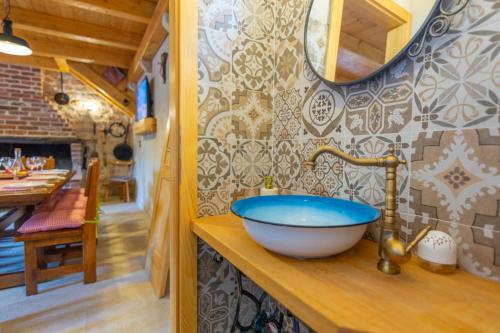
(131, 10)
(32, 61)
(62, 64)
(102, 87)
(81, 52)
(60, 27)
(154, 35)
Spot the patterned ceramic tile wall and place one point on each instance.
(237, 75)
(440, 111)
(262, 111)
(236, 89)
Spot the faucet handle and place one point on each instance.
(418, 238)
(396, 250)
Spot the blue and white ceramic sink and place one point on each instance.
(304, 226)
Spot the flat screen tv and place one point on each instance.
(143, 100)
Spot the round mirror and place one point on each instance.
(350, 40)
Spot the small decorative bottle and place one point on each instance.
(268, 188)
(17, 164)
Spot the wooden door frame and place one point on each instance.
(183, 109)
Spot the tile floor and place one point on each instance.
(122, 300)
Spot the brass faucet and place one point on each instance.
(392, 251)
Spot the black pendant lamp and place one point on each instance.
(9, 43)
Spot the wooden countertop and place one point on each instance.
(348, 292)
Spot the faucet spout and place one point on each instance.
(392, 251)
(345, 156)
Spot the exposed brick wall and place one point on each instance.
(23, 110)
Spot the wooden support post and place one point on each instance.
(333, 44)
(183, 90)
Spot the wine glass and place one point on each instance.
(31, 163)
(3, 162)
(43, 161)
(37, 162)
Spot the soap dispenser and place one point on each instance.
(268, 188)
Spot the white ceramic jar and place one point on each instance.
(438, 252)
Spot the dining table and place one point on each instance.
(18, 199)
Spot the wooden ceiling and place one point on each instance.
(86, 36)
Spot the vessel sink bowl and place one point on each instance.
(304, 226)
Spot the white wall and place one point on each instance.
(148, 149)
(420, 9)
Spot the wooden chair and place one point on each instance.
(35, 244)
(117, 179)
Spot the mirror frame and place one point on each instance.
(436, 24)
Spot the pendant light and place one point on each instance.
(61, 97)
(9, 43)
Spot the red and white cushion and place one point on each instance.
(71, 203)
(56, 220)
(63, 201)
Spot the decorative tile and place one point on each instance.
(214, 58)
(400, 72)
(216, 291)
(255, 18)
(238, 193)
(251, 161)
(290, 18)
(211, 203)
(327, 178)
(218, 296)
(216, 15)
(456, 85)
(252, 116)
(213, 164)
(382, 105)
(456, 174)
(309, 74)
(372, 232)
(287, 114)
(367, 184)
(214, 118)
(289, 63)
(477, 14)
(323, 111)
(253, 65)
(287, 164)
(214, 85)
